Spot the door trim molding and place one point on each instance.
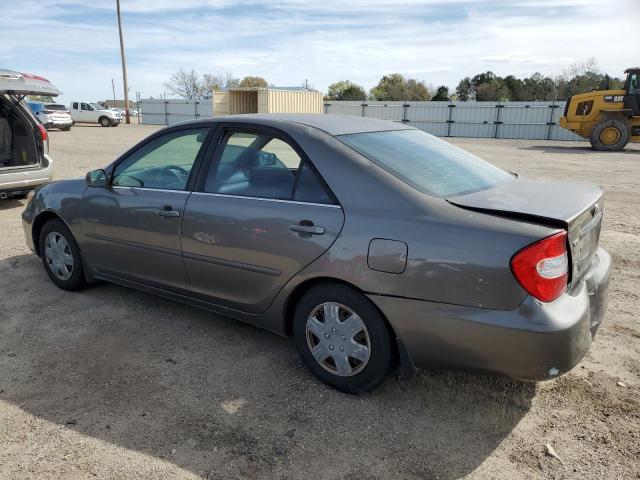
(273, 272)
(128, 243)
(277, 200)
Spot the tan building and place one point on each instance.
(266, 100)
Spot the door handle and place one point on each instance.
(307, 229)
(168, 212)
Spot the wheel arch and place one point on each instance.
(38, 223)
(400, 355)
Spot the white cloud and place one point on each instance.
(326, 41)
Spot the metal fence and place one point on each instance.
(166, 112)
(526, 120)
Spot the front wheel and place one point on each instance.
(610, 135)
(342, 338)
(61, 256)
(104, 121)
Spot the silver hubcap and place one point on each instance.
(338, 339)
(58, 255)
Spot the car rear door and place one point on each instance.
(262, 213)
(132, 227)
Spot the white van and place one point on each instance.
(82, 112)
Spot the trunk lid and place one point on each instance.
(18, 83)
(576, 207)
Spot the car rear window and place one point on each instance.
(56, 106)
(427, 163)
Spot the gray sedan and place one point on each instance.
(374, 245)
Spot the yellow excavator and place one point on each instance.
(608, 118)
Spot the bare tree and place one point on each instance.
(185, 84)
(211, 82)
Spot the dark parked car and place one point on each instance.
(372, 243)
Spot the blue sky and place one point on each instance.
(74, 43)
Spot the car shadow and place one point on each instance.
(577, 149)
(210, 394)
(9, 203)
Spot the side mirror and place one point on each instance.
(97, 178)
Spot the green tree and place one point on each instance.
(395, 87)
(253, 82)
(346, 90)
(417, 91)
(493, 90)
(464, 90)
(441, 95)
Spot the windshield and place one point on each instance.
(427, 163)
(97, 106)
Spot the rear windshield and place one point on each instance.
(427, 163)
(56, 106)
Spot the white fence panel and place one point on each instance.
(166, 112)
(526, 120)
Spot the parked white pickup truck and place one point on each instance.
(82, 112)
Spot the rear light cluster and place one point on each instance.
(542, 268)
(44, 138)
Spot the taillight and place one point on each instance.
(44, 137)
(542, 268)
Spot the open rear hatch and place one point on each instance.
(23, 140)
(575, 207)
(22, 84)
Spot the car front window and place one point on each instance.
(163, 163)
(428, 164)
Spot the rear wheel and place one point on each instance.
(61, 256)
(610, 134)
(342, 338)
(104, 121)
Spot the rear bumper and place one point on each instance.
(25, 179)
(536, 341)
(59, 123)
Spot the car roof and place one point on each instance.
(332, 124)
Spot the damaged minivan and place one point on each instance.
(24, 142)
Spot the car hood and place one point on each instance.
(26, 84)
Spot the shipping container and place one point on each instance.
(266, 100)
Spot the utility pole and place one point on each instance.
(124, 66)
(113, 88)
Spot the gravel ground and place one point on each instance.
(113, 383)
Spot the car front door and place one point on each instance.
(262, 214)
(86, 113)
(132, 227)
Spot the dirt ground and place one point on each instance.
(113, 383)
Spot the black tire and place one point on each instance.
(77, 280)
(616, 128)
(115, 124)
(66, 129)
(370, 374)
(104, 121)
